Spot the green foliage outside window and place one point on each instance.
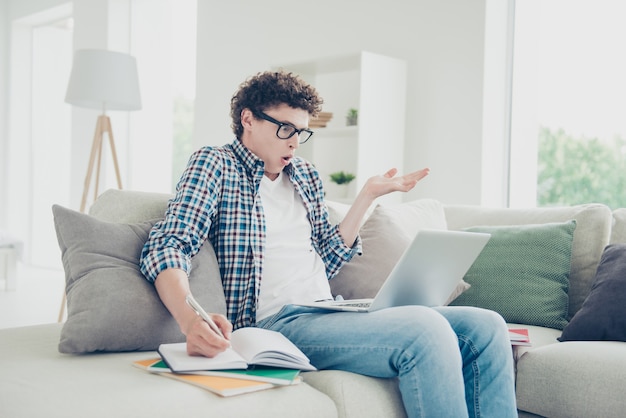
(580, 170)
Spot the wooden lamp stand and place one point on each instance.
(102, 126)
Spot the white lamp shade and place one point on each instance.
(104, 80)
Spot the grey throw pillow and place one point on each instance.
(110, 305)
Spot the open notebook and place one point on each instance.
(426, 274)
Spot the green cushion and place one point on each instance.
(523, 273)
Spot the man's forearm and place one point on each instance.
(351, 223)
(172, 286)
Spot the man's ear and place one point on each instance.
(247, 118)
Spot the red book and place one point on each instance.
(519, 336)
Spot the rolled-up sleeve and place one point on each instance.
(160, 253)
(173, 241)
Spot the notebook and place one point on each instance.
(426, 274)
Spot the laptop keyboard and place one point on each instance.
(356, 304)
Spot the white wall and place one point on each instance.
(4, 46)
(442, 42)
(35, 161)
(47, 165)
(16, 138)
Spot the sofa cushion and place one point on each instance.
(111, 306)
(337, 211)
(593, 226)
(539, 336)
(359, 396)
(523, 273)
(385, 235)
(578, 379)
(129, 206)
(603, 315)
(37, 381)
(618, 231)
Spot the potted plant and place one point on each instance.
(352, 117)
(341, 180)
(341, 177)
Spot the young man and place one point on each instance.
(263, 210)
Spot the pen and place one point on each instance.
(201, 312)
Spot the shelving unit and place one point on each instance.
(376, 86)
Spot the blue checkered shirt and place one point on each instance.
(218, 199)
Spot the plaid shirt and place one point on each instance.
(218, 199)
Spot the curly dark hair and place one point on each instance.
(269, 89)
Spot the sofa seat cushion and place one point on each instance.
(578, 379)
(359, 396)
(539, 337)
(38, 381)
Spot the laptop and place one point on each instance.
(426, 274)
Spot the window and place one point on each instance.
(183, 84)
(150, 143)
(163, 38)
(568, 123)
(39, 130)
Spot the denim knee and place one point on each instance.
(427, 336)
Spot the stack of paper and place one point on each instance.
(258, 359)
(223, 386)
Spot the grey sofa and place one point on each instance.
(554, 379)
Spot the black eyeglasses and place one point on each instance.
(285, 130)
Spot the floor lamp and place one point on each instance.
(103, 80)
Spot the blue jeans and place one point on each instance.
(450, 361)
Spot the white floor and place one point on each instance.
(36, 299)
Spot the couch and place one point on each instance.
(83, 367)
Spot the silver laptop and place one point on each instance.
(426, 274)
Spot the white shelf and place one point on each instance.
(344, 132)
(376, 86)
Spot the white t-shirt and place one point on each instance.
(293, 272)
